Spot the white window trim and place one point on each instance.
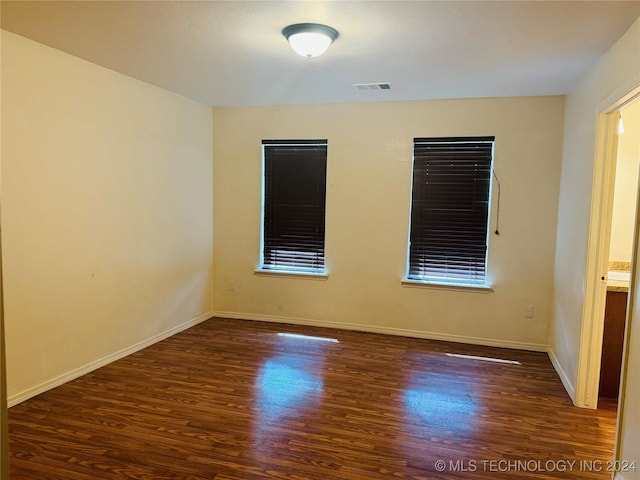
(444, 285)
(260, 270)
(307, 274)
(465, 287)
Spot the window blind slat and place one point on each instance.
(450, 208)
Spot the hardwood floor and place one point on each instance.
(231, 400)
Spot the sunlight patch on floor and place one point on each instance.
(484, 359)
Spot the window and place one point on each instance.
(294, 190)
(450, 210)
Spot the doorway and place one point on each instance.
(623, 219)
(597, 265)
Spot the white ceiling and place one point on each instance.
(228, 53)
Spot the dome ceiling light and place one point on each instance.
(310, 39)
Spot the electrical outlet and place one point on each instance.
(233, 286)
(528, 311)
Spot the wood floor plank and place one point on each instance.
(231, 399)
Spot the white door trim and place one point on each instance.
(595, 287)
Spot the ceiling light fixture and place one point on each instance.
(310, 39)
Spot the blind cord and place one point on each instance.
(497, 232)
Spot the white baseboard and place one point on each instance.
(83, 370)
(568, 386)
(536, 347)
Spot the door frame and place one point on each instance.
(595, 284)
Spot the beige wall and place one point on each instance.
(368, 194)
(107, 215)
(4, 427)
(626, 185)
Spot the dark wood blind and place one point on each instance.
(295, 175)
(450, 208)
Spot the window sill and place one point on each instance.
(460, 287)
(292, 274)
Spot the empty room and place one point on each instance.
(314, 240)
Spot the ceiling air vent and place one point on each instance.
(372, 86)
